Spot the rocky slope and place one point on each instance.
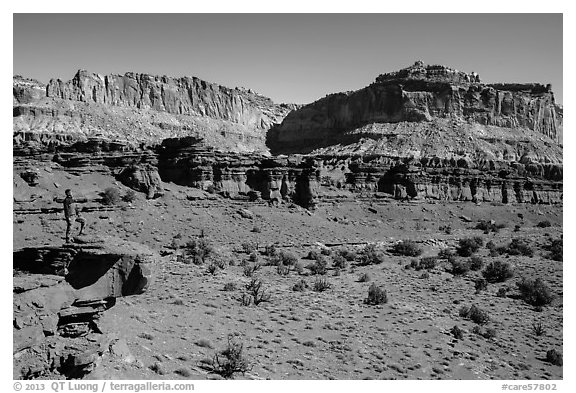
(144, 108)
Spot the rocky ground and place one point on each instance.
(186, 316)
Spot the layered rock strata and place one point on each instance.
(60, 293)
(417, 94)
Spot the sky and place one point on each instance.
(294, 58)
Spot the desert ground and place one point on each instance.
(175, 328)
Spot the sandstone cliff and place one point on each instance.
(412, 97)
(144, 108)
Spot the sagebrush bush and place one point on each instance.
(338, 261)
(230, 286)
(445, 253)
(283, 258)
(498, 271)
(258, 292)
(314, 254)
(476, 263)
(475, 314)
(544, 224)
(407, 248)
(489, 226)
(457, 332)
(199, 250)
(376, 295)
(535, 292)
(230, 360)
(364, 277)
(300, 286)
(249, 247)
(270, 250)
(480, 284)
(349, 255)
(556, 249)
(517, 246)
(321, 285)
(459, 267)
(554, 357)
(468, 246)
(370, 255)
(320, 266)
(111, 196)
(427, 263)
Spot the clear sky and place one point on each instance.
(295, 58)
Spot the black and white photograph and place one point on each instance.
(286, 196)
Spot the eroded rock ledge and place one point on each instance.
(306, 180)
(60, 293)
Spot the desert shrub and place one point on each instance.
(459, 267)
(498, 271)
(314, 254)
(270, 250)
(487, 333)
(447, 229)
(538, 328)
(468, 246)
(283, 270)
(445, 253)
(427, 263)
(502, 292)
(480, 284)
(457, 332)
(283, 258)
(245, 300)
(256, 289)
(230, 286)
(130, 196)
(544, 224)
(535, 292)
(320, 266)
(111, 196)
(407, 248)
(554, 357)
(556, 248)
(321, 285)
(249, 247)
(212, 268)
(376, 295)
(199, 250)
(339, 262)
(349, 255)
(370, 256)
(475, 314)
(489, 226)
(364, 277)
(326, 251)
(230, 360)
(517, 246)
(300, 286)
(476, 263)
(251, 268)
(253, 257)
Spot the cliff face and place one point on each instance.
(144, 108)
(417, 94)
(181, 96)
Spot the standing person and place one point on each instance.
(71, 213)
